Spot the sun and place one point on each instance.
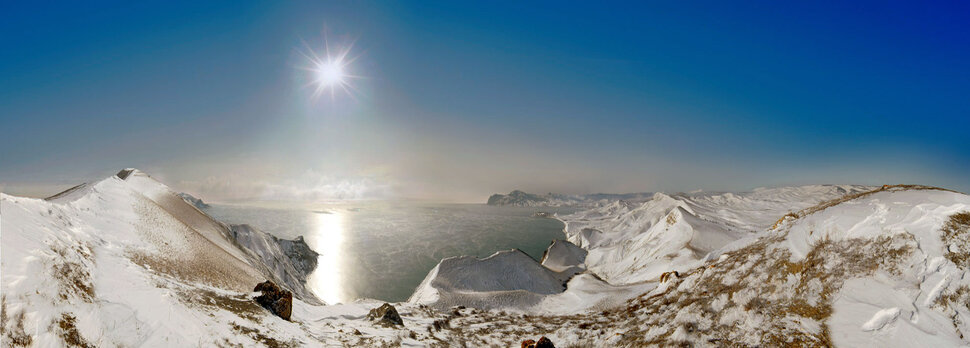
(329, 72)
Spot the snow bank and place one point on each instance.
(508, 278)
(564, 257)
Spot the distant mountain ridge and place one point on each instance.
(520, 198)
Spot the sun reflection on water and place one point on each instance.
(327, 240)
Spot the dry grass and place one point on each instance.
(833, 202)
(890, 188)
(70, 269)
(754, 296)
(15, 335)
(956, 238)
(261, 337)
(949, 301)
(759, 283)
(671, 219)
(68, 332)
(240, 305)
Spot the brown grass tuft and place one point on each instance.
(260, 337)
(956, 238)
(14, 336)
(72, 338)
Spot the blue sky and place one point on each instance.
(459, 100)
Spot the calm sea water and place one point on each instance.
(383, 250)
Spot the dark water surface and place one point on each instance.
(383, 250)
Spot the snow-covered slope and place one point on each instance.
(126, 262)
(506, 279)
(814, 265)
(630, 241)
(289, 261)
(869, 269)
(122, 261)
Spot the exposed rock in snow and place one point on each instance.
(386, 315)
(543, 342)
(198, 203)
(289, 262)
(517, 198)
(276, 300)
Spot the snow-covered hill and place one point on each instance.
(125, 261)
(815, 265)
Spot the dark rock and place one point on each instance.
(198, 203)
(275, 299)
(386, 315)
(544, 343)
(516, 198)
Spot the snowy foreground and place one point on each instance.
(127, 262)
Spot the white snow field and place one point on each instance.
(127, 262)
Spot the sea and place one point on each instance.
(384, 249)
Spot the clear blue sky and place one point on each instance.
(460, 100)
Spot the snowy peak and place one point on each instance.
(125, 173)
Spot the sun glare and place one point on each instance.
(327, 239)
(330, 71)
(329, 74)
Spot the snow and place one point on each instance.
(523, 199)
(631, 241)
(508, 278)
(126, 261)
(565, 258)
(123, 257)
(881, 319)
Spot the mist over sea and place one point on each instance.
(384, 249)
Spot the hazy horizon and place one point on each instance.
(454, 102)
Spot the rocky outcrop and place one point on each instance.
(197, 202)
(517, 198)
(542, 343)
(523, 199)
(275, 299)
(386, 316)
(287, 262)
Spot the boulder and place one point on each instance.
(542, 343)
(386, 315)
(275, 299)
